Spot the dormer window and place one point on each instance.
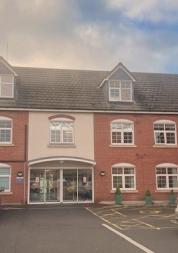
(120, 90)
(6, 86)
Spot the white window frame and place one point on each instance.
(165, 122)
(122, 121)
(119, 82)
(4, 165)
(166, 166)
(7, 83)
(66, 120)
(123, 166)
(9, 119)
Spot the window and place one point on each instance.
(6, 86)
(165, 132)
(122, 132)
(61, 131)
(123, 175)
(120, 90)
(167, 176)
(5, 178)
(5, 130)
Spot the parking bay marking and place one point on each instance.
(138, 245)
(100, 217)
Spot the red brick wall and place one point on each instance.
(15, 156)
(144, 156)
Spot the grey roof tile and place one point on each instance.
(42, 88)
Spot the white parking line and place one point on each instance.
(138, 245)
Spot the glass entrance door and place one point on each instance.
(70, 185)
(44, 185)
(60, 185)
(52, 189)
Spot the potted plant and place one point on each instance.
(148, 198)
(118, 196)
(172, 197)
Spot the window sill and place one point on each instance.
(123, 146)
(6, 193)
(125, 191)
(165, 146)
(61, 146)
(166, 190)
(6, 145)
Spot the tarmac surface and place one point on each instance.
(92, 229)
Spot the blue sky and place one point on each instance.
(91, 34)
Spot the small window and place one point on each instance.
(6, 86)
(120, 90)
(5, 178)
(61, 131)
(167, 176)
(165, 132)
(122, 132)
(5, 130)
(123, 175)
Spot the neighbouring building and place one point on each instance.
(73, 136)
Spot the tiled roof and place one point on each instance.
(42, 88)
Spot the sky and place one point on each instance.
(91, 34)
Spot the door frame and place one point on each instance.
(61, 186)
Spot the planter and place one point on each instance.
(118, 199)
(148, 200)
(172, 199)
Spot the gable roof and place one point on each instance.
(64, 89)
(115, 69)
(6, 68)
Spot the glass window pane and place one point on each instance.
(67, 136)
(126, 94)
(7, 79)
(5, 135)
(161, 182)
(128, 137)
(158, 126)
(5, 123)
(129, 182)
(4, 183)
(117, 170)
(172, 170)
(6, 89)
(117, 181)
(128, 170)
(173, 182)
(116, 137)
(114, 84)
(126, 84)
(159, 137)
(160, 170)
(115, 93)
(170, 127)
(4, 171)
(170, 138)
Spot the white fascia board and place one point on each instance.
(86, 111)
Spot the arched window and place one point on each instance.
(5, 178)
(122, 132)
(165, 132)
(5, 130)
(167, 176)
(61, 131)
(123, 175)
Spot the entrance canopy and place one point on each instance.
(61, 159)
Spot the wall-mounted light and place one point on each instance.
(102, 173)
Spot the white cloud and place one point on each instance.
(153, 10)
(51, 33)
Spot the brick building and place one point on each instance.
(73, 136)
